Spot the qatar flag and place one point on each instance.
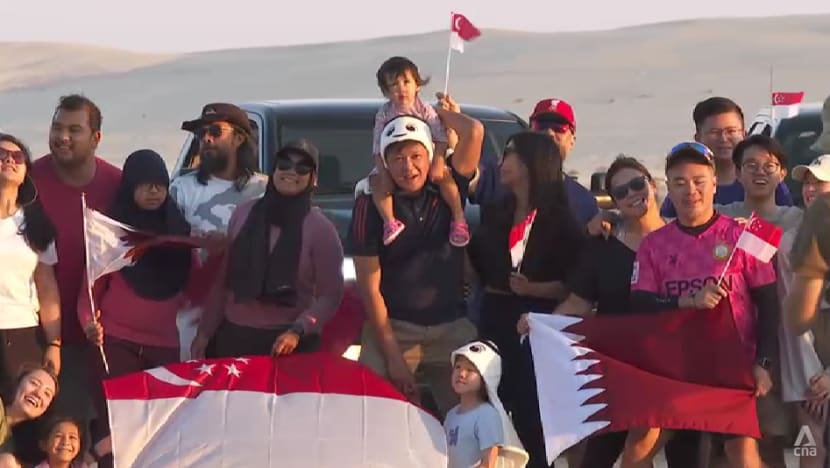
(306, 410)
(684, 369)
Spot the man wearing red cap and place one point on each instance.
(556, 118)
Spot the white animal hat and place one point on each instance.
(484, 355)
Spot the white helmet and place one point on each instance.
(406, 128)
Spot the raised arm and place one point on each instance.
(467, 153)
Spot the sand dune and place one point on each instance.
(633, 89)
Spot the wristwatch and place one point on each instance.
(764, 363)
(298, 329)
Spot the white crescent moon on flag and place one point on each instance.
(163, 374)
(779, 99)
(455, 21)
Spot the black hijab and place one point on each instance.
(162, 272)
(252, 273)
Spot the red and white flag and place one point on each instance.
(786, 104)
(461, 31)
(760, 239)
(110, 245)
(304, 410)
(615, 373)
(517, 239)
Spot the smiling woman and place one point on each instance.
(36, 388)
(282, 278)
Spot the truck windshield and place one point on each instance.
(346, 147)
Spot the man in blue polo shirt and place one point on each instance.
(412, 289)
(556, 118)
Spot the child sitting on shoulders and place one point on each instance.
(479, 432)
(400, 81)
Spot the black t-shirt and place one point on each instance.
(604, 275)
(422, 274)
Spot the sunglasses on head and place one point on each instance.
(558, 127)
(300, 167)
(17, 156)
(634, 185)
(699, 148)
(214, 130)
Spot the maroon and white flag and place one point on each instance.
(685, 369)
(305, 410)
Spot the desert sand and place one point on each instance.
(633, 89)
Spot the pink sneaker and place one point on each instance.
(459, 234)
(392, 230)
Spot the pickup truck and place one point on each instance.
(342, 131)
(796, 134)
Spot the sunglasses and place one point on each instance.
(698, 148)
(17, 156)
(634, 185)
(214, 130)
(301, 167)
(558, 127)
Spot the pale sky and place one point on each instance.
(193, 25)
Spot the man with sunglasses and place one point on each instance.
(554, 117)
(226, 177)
(679, 266)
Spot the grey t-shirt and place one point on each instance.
(786, 217)
(471, 432)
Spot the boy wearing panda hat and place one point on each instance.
(479, 432)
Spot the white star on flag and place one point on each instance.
(206, 369)
(233, 370)
(243, 360)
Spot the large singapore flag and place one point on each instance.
(312, 410)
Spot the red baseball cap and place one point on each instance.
(554, 106)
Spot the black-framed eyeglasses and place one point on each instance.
(636, 184)
(769, 167)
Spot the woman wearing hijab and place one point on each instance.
(282, 278)
(522, 254)
(135, 320)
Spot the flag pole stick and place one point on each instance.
(732, 253)
(447, 72)
(89, 285)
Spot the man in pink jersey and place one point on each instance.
(679, 266)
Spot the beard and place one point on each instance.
(213, 163)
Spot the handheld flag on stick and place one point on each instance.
(759, 238)
(111, 246)
(785, 104)
(461, 31)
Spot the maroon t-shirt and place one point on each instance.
(62, 204)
